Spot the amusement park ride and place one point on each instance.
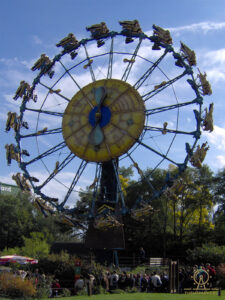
(102, 102)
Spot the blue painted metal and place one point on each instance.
(152, 93)
(146, 75)
(46, 153)
(105, 116)
(61, 166)
(115, 258)
(47, 132)
(95, 192)
(74, 182)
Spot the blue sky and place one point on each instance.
(30, 28)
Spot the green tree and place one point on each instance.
(181, 217)
(219, 215)
(36, 246)
(219, 230)
(149, 230)
(19, 218)
(126, 172)
(219, 189)
(191, 204)
(16, 220)
(207, 253)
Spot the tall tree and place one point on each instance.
(219, 215)
(191, 204)
(19, 218)
(16, 220)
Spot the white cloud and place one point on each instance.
(213, 64)
(215, 57)
(215, 75)
(7, 179)
(221, 160)
(203, 27)
(9, 62)
(36, 40)
(217, 137)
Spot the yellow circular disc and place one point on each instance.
(99, 128)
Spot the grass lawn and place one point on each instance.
(146, 296)
(143, 296)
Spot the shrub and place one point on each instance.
(82, 293)
(99, 289)
(132, 290)
(43, 292)
(211, 253)
(14, 286)
(66, 292)
(44, 287)
(117, 291)
(60, 266)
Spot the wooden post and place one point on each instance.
(174, 277)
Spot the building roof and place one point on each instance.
(8, 189)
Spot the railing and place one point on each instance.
(158, 261)
(134, 261)
(130, 261)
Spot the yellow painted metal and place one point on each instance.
(123, 129)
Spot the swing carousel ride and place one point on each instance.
(114, 99)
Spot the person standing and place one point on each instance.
(144, 283)
(55, 287)
(156, 282)
(79, 284)
(142, 255)
(114, 280)
(90, 283)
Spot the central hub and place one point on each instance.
(103, 120)
(103, 117)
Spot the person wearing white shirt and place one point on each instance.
(156, 281)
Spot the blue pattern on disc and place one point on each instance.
(105, 116)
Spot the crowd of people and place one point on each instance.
(124, 281)
(146, 281)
